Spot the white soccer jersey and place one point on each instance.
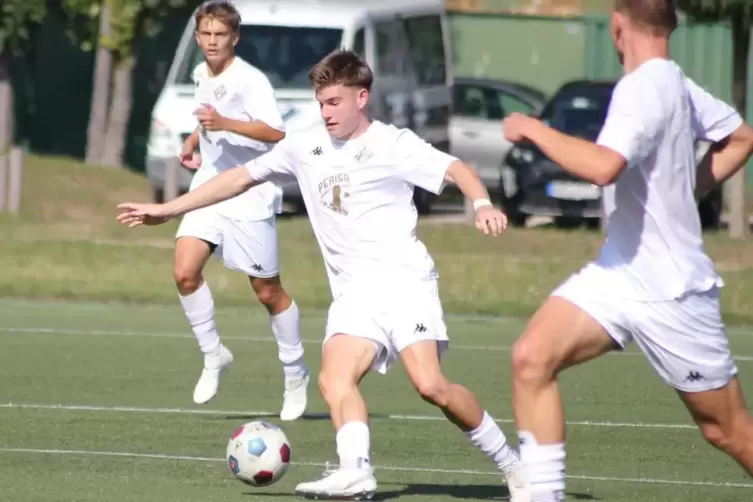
(359, 197)
(654, 246)
(240, 92)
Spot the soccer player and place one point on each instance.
(238, 121)
(652, 282)
(357, 179)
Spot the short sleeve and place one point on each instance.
(419, 163)
(713, 119)
(278, 165)
(259, 101)
(635, 118)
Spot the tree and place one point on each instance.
(17, 17)
(112, 26)
(739, 14)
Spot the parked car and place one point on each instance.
(531, 184)
(479, 105)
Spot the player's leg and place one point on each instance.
(195, 242)
(345, 361)
(559, 335)
(422, 363)
(686, 343)
(251, 247)
(724, 420)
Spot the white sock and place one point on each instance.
(199, 309)
(545, 465)
(490, 439)
(353, 445)
(287, 331)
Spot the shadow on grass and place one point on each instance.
(460, 492)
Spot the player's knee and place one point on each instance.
(270, 294)
(732, 436)
(186, 279)
(435, 391)
(529, 364)
(333, 387)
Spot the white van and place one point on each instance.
(406, 43)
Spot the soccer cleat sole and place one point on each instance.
(327, 496)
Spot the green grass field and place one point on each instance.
(96, 405)
(95, 399)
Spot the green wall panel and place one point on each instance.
(539, 51)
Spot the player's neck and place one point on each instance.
(643, 50)
(363, 126)
(217, 68)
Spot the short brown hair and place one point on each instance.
(221, 10)
(657, 15)
(341, 67)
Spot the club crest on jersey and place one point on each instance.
(220, 91)
(332, 192)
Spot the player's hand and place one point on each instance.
(209, 118)
(490, 220)
(188, 157)
(515, 125)
(133, 214)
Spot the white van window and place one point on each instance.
(427, 48)
(284, 53)
(391, 48)
(359, 43)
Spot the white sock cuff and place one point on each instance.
(292, 310)
(487, 423)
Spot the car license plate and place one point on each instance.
(573, 190)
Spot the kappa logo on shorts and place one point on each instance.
(420, 328)
(257, 268)
(694, 376)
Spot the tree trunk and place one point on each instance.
(6, 124)
(6, 104)
(100, 91)
(120, 114)
(738, 219)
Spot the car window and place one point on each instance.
(477, 102)
(512, 104)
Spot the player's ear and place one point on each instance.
(363, 98)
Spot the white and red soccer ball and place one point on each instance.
(258, 453)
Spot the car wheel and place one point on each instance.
(710, 210)
(423, 201)
(510, 205)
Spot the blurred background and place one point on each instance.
(108, 83)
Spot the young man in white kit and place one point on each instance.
(652, 282)
(357, 179)
(238, 121)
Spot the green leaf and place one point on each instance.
(16, 19)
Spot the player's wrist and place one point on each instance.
(482, 202)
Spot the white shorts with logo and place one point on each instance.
(684, 340)
(393, 321)
(245, 246)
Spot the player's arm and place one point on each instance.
(259, 102)
(731, 138)
(226, 185)
(635, 117)
(422, 165)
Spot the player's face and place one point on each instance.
(216, 39)
(342, 108)
(617, 28)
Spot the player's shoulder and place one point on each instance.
(392, 134)
(250, 73)
(200, 72)
(302, 142)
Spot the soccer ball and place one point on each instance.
(258, 453)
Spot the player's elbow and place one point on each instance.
(611, 165)
(275, 136)
(459, 170)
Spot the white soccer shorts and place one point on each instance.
(684, 340)
(245, 246)
(393, 321)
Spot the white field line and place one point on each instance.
(62, 331)
(262, 414)
(316, 313)
(462, 472)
